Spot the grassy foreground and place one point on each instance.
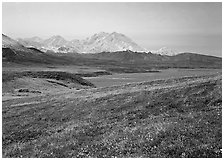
(164, 118)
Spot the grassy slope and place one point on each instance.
(8, 76)
(29, 83)
(164, 118)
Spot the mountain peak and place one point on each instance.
(114, 33)
(117, 34)
(99, 42)
(165, 51)
(55, 41)
(57, 37)
(110, 42)
(102, 33)
(8, 42)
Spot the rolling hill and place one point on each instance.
(182, 60)
(174, 118)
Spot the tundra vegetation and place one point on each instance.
(175, 117)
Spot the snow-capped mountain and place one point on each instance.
(8, 42)
(55, 41)
(105, 42)
(35, 39)
(12, 49)
(165, 51)
(101, 42)
(31, 42)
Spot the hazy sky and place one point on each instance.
(195, 27)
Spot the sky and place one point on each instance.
(182, 26)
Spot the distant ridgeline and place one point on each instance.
(110, 56)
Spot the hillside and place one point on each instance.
(163, 118)
(182, 60)
(8, 42)
(196, 60)
(25, 83)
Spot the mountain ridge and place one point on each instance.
(99, 42)
(14, 51)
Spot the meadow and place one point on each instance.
(124, 78)
(173, 117)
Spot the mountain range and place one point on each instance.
(100, 42)
(28, 51)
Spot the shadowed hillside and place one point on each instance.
(183, 60)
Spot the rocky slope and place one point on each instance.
(8, 42)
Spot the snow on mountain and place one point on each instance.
(34, 39)
(36, 42)
(165, 51)
(75, 46)
(101, 42)
(13, 47)
(8, 42)
(55, 41)
(105, 42)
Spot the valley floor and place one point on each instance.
(176, 117)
